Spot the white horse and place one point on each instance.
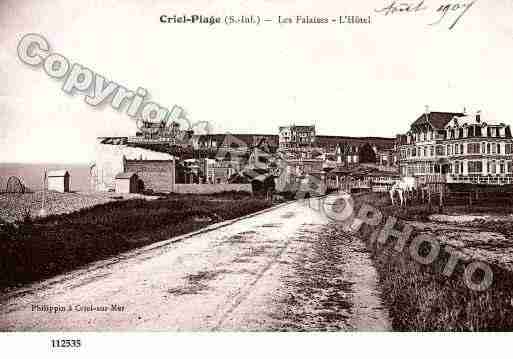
(404, 186)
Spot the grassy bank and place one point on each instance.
(420, 298)
(49, 246)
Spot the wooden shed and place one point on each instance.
(58, 180)
(127, 182)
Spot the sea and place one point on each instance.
(32, 174)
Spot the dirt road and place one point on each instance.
(287, 268)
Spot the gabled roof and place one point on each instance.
(58, 173)
(437, 120)
(379, 142)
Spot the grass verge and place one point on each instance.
(45, 247)
(421, 298)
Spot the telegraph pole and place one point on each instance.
(42, 212)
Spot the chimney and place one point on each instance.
(478, 116)
(426, 109)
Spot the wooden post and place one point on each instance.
(42, 212)
(429, 198)
(441, 204)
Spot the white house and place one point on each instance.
(58, 181)
(126, 182)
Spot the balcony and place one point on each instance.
(493, 179)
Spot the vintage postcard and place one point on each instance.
(263, 166)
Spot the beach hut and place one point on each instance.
(58, 181)
(126, 182)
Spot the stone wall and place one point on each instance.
(157, 175)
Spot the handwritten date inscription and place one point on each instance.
(458, 9)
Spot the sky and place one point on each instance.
(350, 80)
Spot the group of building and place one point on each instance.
(293, 154)
(457, 148)
(451, 146)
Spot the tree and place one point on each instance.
(367, 154)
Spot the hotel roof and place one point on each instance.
(437, 120)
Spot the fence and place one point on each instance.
(373, 184)
(436, 191)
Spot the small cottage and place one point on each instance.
(126, 182)
(58, 181)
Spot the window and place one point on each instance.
(460, 132)
(507, 148)
(483, 147)
(440, 150)
(414, 151)
(499, 148)
(475, 167)
(456, 167)
(494, 148)
(509, 167)
(501, 166)
(449, 150)
(478, 131)
(431, 151)
(488, 148)
(493, 167)
(456, 149)
(461, 148)
(473, 148)
(470, 131)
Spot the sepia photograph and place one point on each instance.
(255, 167)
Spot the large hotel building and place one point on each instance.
(459, 147)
